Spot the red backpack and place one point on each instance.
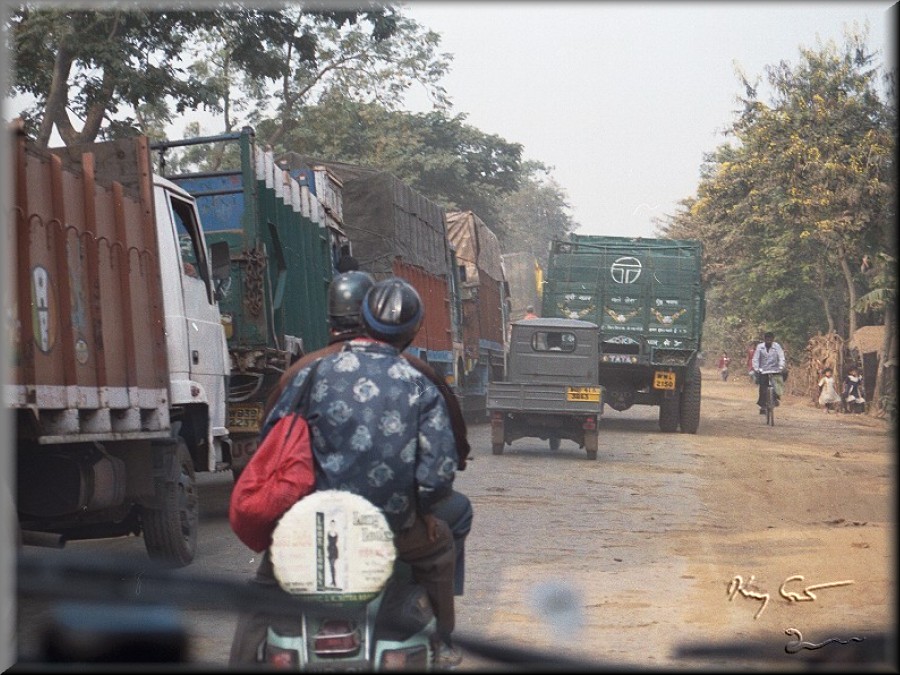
(280, 473)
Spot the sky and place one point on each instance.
(623, 99)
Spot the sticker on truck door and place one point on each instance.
(42, 322)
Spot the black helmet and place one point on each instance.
(392, 312)
(345, 295)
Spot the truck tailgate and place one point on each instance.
(543, 398)
(89, 351)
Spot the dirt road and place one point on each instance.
(626, 559)
(649, 537)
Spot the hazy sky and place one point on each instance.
(623, 99)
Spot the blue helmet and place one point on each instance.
(392, 312)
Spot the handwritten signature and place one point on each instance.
(746, 589)
(794, 646)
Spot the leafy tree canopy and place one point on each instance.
(788, 211)
(111, 72)
(447, 160)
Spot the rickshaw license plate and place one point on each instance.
(590, 394)
(663, 380)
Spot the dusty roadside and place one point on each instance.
(650, 536)
(645, 541)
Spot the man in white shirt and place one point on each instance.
(768, 361)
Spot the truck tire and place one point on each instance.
(690, 401)
(497, 448)
(554, 443)
(668, 414)
(170, 532)
(591, 443)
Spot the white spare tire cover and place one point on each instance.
(332, 527)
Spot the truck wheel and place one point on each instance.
(690, 401)
(554, 443)
(668, 414)
(497, 448)
(170, 532)
(591, 443)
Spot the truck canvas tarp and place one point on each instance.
(395, 230)
(647, 298)
(525, 277)
(484, 304)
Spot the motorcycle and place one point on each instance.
(359, 609)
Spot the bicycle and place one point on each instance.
(770, 399)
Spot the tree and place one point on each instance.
(789, 208)
(534, 215)
(121, 71)
(447, 160)
(369, 56)
(101, 67)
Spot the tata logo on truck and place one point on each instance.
(625, 270)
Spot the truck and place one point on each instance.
(484, 297)
(397, 231)
(551, 390)
(525, 278)
(118, 360)
(647, 297)
(284, 234)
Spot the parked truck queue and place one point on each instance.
(158, 304)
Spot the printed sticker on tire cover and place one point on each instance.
(333, 545)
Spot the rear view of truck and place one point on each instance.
(646, 296)
(118, 354)
(484, 300)
(283, 241)
(397, 231)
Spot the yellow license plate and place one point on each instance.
(663, 380)
(590, 394)
(245, 418)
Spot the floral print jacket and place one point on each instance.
(379, 429)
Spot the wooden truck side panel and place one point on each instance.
(89, 353)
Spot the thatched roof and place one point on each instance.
(868, 339)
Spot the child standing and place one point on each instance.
(724, 360)
(828, 396)
(854, 393)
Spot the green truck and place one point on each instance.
(284, 235)
(647, 298)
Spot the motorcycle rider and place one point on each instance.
(345, 295)
(400, 413)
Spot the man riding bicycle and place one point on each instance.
(768, 361)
